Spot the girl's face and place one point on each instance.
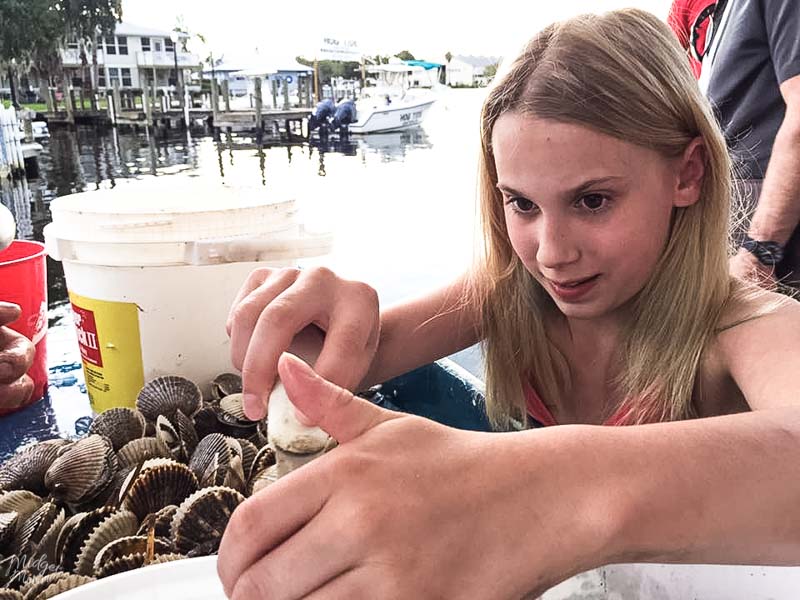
(587, 213)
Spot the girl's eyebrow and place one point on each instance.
(586, 185)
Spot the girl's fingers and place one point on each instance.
(266, 520)
(322, 543)
(249, 305)
(9, 313)
(16, 355)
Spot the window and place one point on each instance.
(169, 45)
(101, 78)
(122, 43)
(113, 76)
(157, 45)
(110, 47)
(126, 78)
(145, 44)
(72, 44)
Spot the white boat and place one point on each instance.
(399, 99)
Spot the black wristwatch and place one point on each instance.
(767, 253)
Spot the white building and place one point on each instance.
(469, 70)
(131, 56)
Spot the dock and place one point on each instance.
(161, 110)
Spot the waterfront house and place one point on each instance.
(469, 70)
(132, 56)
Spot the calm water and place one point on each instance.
(401, 205)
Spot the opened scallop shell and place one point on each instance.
(232, 404)
(9, 594)
(213, 450)
(159, 521)
(117, 525)
(120, 425)
(158, 487)
(186, 431)
(83, 471)
(201, 519)
(71, 544)
(37, 525)
(225, 384)
(133, 561)
(263, 459)
(165, 395)
(70, 582)
(263, 478)
(38, 583)
(134, 544)
(168, 434)
(249, 453)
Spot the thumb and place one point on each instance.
(9, 312)
(335, 410)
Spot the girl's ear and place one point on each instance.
(691, 171)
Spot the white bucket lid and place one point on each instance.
(169, 210)
(165, 221)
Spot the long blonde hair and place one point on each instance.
(623, 74)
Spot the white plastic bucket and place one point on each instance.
(152, 269)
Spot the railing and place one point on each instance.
(72, 56)
(166, 59)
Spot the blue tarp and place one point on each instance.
(423, 63)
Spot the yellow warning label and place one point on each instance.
(111, 350)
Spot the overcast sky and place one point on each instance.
(428, 28)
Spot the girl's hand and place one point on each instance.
(275, 305)
(407, 508)
(16, 357)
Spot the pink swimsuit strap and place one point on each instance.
(539, 411)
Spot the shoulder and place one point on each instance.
(758, 343)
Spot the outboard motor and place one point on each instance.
(321, 116)
(345, 114)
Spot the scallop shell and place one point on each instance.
(26, 470)
(212, 451)
(117, 525)
(212, 419)
(201, 519)
(134, 544)
(167, 433)
(37, 525)
(249, 453)
(83, 471)
(160, 522)
(46, 547)
(186, 431)
(70, 582)
(136, 451)
(71, 544)
(225, 384)
(66, 533)
(265, 458)
(22, 502)
(133, 561)
(263, 478)
(38, 583)
(120, 425)
(158, 487)
(232, 404)
(8, 594)
(8, 530)
(165, 395)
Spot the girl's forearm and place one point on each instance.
(717, 490)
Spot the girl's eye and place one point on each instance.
(593, 202)
(521, 205)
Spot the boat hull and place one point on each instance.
(391, 118)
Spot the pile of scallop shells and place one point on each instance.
(144, 486)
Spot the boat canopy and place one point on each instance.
(424, 64)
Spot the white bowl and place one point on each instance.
(186, 579)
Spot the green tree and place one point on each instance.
(30, 34)
(490, 71)
(405, 55)
(448, 57)
(88, 22)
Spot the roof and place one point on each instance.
(131, 29)
(478, 61)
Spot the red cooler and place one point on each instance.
(23, 281)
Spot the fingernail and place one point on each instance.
(4, 304)
(253, 407)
